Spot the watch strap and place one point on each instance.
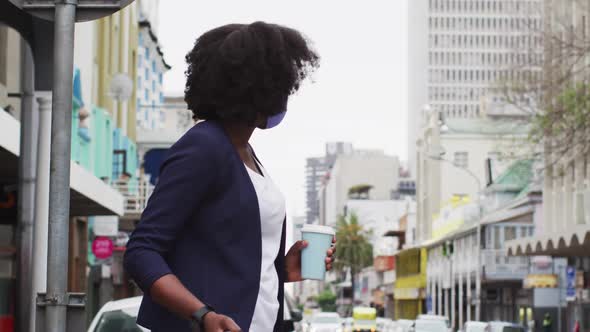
(198, 317)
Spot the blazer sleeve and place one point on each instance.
(186, 176)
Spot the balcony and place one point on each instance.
(498, 266)
(135, 194)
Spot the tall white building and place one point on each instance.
(459, 50)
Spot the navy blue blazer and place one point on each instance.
(202, 224)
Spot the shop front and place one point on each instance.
(410, 284)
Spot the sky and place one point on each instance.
(357, 95)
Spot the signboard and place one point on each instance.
(384, 263)
(406, 293)
(429, 304)
(106, 225)
(102, 247)
(540, 281)
(570, 282)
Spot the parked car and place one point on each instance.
(118, 316)
(474, 326)
(383, 324)
(325, 322)
(404, 325)
(430, 325)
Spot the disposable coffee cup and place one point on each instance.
(313, 257)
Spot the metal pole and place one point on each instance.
(559, 303)
(59, 183)
(26, 191)
(452, 293)
(478, 253)
(42, 196)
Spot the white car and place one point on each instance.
(474, 326)
(325, 322)
(432, 323)
(403, 325)
(118, 316)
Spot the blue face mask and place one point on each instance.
(274, 120)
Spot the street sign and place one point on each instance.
(87, 10)
(570, 282)
(102, 247)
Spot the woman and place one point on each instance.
(209, 249)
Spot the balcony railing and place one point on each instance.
(136, 194)
(497, 265)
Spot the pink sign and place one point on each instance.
(102, 247)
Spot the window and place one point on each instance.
(154, 66)
(153, 86)
(497, 243)
(147, 74)
(509, 233)
(147, 53)
(461, 159)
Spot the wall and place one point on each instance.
(378, 217)
(376, 169)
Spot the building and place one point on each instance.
(459, 50)
(102, 131)
(565, 228)
(410, 283)
(509, 209)
(458, 159)
(316, 169)
(151, 68)
(372, 168)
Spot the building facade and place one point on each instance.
(373, 168)
(460, 50)
(316, 169)
(565, 229)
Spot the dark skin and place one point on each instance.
(169, 292)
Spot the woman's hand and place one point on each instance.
(219, 323)
(293, 260)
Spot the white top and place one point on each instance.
(272, 214)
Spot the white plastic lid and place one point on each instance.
(318, 229)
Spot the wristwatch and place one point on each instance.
(198, 317)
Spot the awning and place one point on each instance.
(571, 242)
(89, 196)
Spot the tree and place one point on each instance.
(327, 301)
(353, 249)
(360, 191)
(550, 84)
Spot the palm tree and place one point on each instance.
(353, 250)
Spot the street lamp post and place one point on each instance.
(438, 157)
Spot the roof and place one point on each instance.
(148, 25)
(516, 177)
(485, 126)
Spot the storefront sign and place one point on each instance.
(406, 293)
(384, 263)
(540, 281)
(102, 247)
(570, 282)
(106, 225)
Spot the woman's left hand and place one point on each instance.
(293, 260)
